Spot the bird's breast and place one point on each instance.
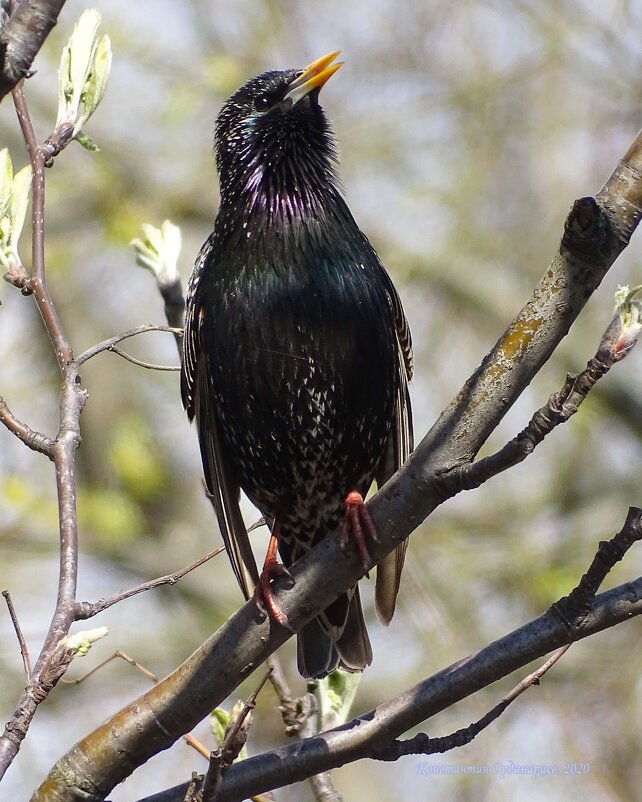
(303, 364)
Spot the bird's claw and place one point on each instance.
(264, 594)
(356, 521)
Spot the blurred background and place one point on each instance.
(466, 131)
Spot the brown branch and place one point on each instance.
(52, 662)
(356, 739)
(24, 120)
(21, 638)
(596, 231)
(189, 739)
(561, 406)
(233, 741)
(86, 610)
(35, 440)
(22, 36)
(422, 744)
(140, 363)
(36, 284)
(108, 345)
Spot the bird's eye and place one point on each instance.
(262, 103)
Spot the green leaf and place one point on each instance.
(159, 251)
(20, 188)
(86, 141)
(6, 180)
(96, 83)
(335, 695)
(218, 723)
(82, 47)
(85, 64)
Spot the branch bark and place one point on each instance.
(355, 740)
(22, 36)
(596, 231)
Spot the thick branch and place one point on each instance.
(391, 719)
(22, 36)
(595, 233)
(559, 408)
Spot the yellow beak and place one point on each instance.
(313, 76)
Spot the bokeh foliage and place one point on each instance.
(466, 131)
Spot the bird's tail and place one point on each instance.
(338, 638)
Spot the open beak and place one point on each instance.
(313, 76)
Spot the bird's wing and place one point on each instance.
(198, 399)
(400, 444)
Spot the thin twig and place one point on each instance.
(574, 607)
(86, 610)
(234, 740)
(250, 704)
(422, 744)
(189, 739)
(108, 345)
(36, 284)
(24, 119)
(149, 365)
(49, 667)
(35, 440)
(560, 407)
(117, 655)
(21, 639)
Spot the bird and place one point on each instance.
(296, 356)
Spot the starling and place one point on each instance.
(296, 355)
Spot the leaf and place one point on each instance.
(20, 189)
(6, 179)
(85, 64)
(96, 84)
(82, 47)
(86, 141)
(159, 251)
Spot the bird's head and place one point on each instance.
(273, 142)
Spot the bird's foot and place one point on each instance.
(264, 594)
(356, 522)
(272, 570)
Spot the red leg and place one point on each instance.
(272, 569)
(356, 521)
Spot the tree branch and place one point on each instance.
(424, 745)
(141, 363)
(356, 739)
(596, 231)
(36, 283)
(26, 661)
(35, 440)
(108, 345)
(22, 36)
(374, 728)
(560, 407)
(86, 610)
(52, 661)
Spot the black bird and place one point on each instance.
(296, 356)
